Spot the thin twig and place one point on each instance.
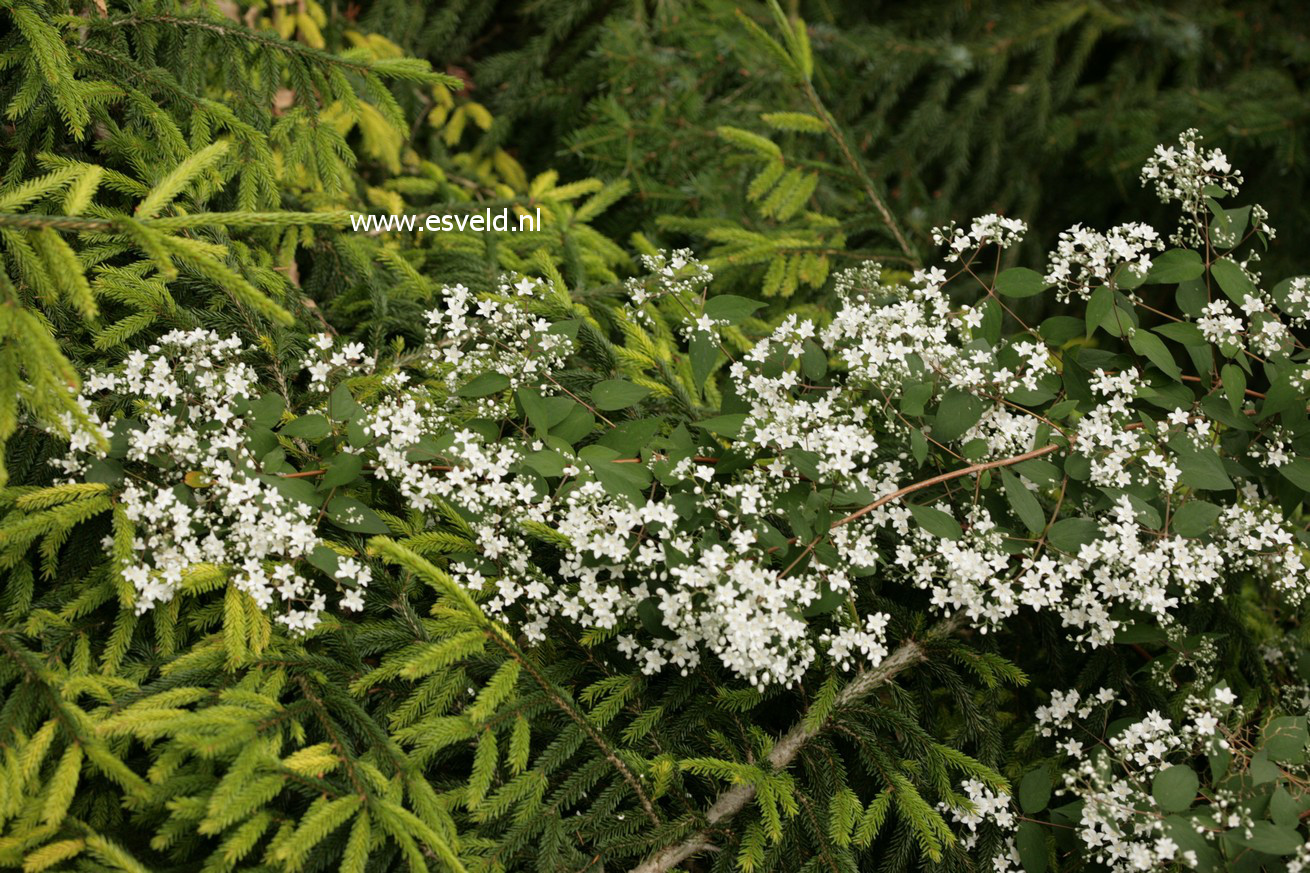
(840, 138)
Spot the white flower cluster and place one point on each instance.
(326, 360)
(882, 334)
(470, 336)
(887, 335)
(195, 495)
(985, 230)
(850, 644)
(709, 586)
(677, 273)
(1122, 824)
(1298, 294)
(778, 421)
(984, 805)
(622, 559)
(1005, 432)
(722, 596)
(1183, 173)
(1085, 258)
(1220, 326)
(475, 336)
(1263, 331)
(679, 563)
(1300, 862)
(1275, 447)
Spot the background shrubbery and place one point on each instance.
(174, 176)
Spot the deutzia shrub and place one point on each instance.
(902, 448)
(192, 491)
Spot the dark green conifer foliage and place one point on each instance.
(1043, 111)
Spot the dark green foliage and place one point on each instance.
(1044, 111)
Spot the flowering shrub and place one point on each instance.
(773, 536)
(554, 570)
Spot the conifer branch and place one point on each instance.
(237, 32)
(557, 697)
(410, 69)
(734, 800)
(58, 222)
(230, 220)
(866, 182)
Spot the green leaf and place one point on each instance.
(356, 435)
(1127, 277)
(1020, 282)
(105, 471)
(1140, 633)
(918, 446)
(575, 425)
(1071, 534)
(341, 405)
(309, 427)
(1035, 790)
(731, 308)
(814, 363)
(652, 619)
(484, 385)
(1154, 349)
(267, 410)
(1262, 770)
(1183, 332)
(1283, 809)
(724, 425)
(936, 522)
(630, 437)
(535, 409)
(324, 559)
(1201, 467)
(1022, 501)
(914, 396)
(1271, 839)
(350, 514)
(341, 470)
(546, 462)
(1232, 280)
(1098, 307)
(1174, 788)
(1182, 830)
(958, 411)
(1174, 266)
(1297, 472)
(1194, 518)
(299, 490)
(1234, 379)
(1060, 329)
(1192, 297)
(615, 394)
(827, 601)
(625, 479)
(1228, 226)
(1030, 840)
(704, 353)
(1285, 738)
